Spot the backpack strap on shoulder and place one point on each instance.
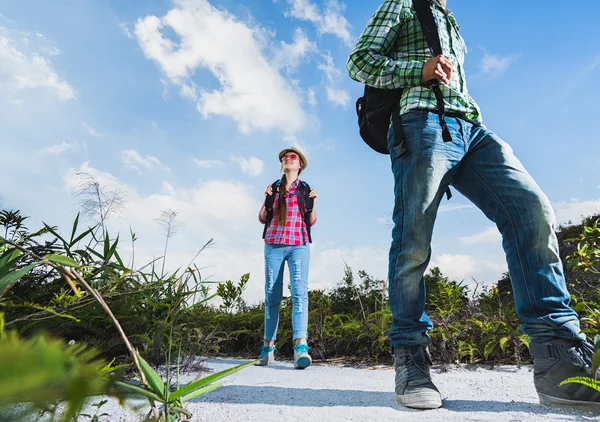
(269, 201)
(398, 146)
(309, 203)
(432, 36)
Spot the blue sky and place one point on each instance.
(185, 105)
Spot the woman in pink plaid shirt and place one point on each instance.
(287, 239)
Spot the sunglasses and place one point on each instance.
(292, 157)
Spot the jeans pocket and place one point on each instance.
(414, 115)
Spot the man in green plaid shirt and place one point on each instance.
(392, 53)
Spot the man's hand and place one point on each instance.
(438, 68)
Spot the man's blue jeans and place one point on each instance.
(482, 167)
(298, 258)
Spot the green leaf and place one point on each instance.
(139, 390)
(154, 380)
(63, 260)
(106, 247)
(119, 260)
(200, 302)
(82, 235)
(201, 391)
(525, 339)
(489, 348)
(7, 260)
(97, 254)
(587, 381)
(52, 231)
(503, 342)
(188, 389)
(113, 249)
(11, 278)
(180, 410)
(74, 228)
(595, 363)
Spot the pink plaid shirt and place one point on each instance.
(294, 232)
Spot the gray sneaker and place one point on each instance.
(267, 356)
(558, 360)
(302, 359)
(413, 381)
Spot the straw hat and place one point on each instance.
(295, 151)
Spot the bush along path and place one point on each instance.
(98, 314)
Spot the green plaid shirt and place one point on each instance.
(391, 52)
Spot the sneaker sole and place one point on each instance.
(557, 401)
(420, 400)
(302, 363)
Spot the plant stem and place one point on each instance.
(74, 274)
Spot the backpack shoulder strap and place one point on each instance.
(269, 201)
(430, 30)
(432, 36)
(309, 204)
(308, 201)
(271, 198)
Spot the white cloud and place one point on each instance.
(252, 166)
(495, 64)
(222, 210)
(189, 91)
(293, 141)
(252, 91)
(327, 66)
(455, 266)
(312, 97)
(489, 235)
(459, 267)
(327, 264)
(576, 210)
(26, 64)
(208, 164)
(5, 19)
(134, 160)
(338, 97)
(165, 91)
(289, 55)
(327, 21)
(125, 28)
(71, 179)
(457, 207)
(93, 132)
(58, 149)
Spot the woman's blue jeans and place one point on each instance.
(298, 258)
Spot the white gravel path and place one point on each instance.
(327, 392)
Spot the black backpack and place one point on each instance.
(377, 106)
(270, 200)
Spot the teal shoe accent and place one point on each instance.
(302, 359)
(267, 355)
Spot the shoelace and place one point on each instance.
(416, 363)
(266, 350)
(302, 348)
(582, 353)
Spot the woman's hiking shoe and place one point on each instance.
(413, 381)
(301, 357)
(557, 360)
(267, 356)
